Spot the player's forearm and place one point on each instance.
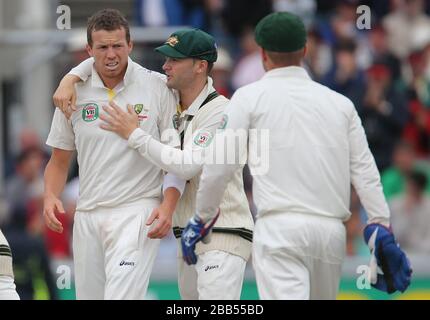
(365, 176)
(172, 160)
(55, 178)
(83, 70)
(68, 81)
(170, 199)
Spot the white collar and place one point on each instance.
(292, 71)
(194, 107)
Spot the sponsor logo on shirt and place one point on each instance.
(90, 112)
(203, 139)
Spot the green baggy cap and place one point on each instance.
(190, 43)
(281, 32)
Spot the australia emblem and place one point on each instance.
(138, 108)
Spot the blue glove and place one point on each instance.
(394, 268)
(195, 231)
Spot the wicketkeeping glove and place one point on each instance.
(390, 269)
(195, 231)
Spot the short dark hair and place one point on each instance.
(285, 58)
(210, 66)
(109, 20)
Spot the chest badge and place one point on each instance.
(138, 108)
(90, 112)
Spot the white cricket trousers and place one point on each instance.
(298, 256)
(7, 285)
(217, 275)
(113, 256)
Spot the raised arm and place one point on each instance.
(65, 95)
(185, 163)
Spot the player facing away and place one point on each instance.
(190, 54)
(317, 149)
(118, 189)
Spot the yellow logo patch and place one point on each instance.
(172, 41)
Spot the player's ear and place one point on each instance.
(264, 56)
(305, 49)
(130, 46)
(89, 50)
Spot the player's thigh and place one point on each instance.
(88, 259)
(280, 275)
(217, 268)
(129, 255)
(325, 280)
(279, 257)
(187, 280)
(326, 266)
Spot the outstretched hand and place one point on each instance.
(118, 121)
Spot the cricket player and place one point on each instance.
(118, 189)
(317, 148)
(190, 54)
(7, 285)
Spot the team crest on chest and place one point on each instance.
(90, 112)
(138, 108)
(176, 120)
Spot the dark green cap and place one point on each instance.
(281, 32)
(190, 43)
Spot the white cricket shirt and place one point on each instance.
(110, 173)
(316, 148)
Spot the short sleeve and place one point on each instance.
(61, 135)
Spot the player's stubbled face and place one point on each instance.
(110, 51)
(180, 72)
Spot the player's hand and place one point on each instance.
(65, 95)
(52, 206)
(163, 218)
(118, 121)
(195, 231)
(389, 266)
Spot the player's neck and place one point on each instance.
(112, 82)
(189, 93)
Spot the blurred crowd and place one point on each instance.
(384, 70)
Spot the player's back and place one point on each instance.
(308, 124)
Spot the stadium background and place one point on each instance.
(384, 70)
